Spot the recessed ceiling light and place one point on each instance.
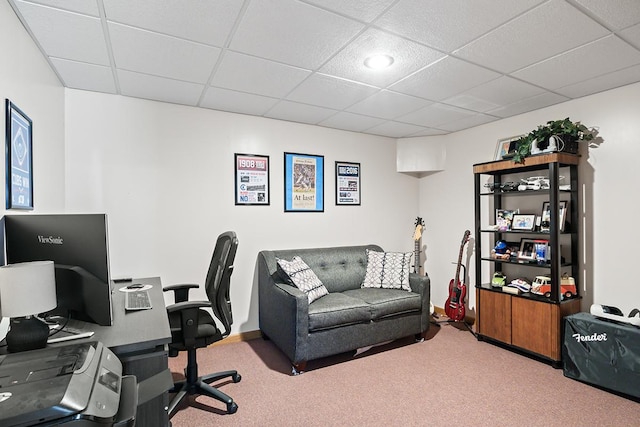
(378, 61)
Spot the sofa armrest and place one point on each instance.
(422, 285)
(283, 312)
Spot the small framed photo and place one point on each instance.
(19, 161)
(534, 249)
(251, 179)
(506, 148)
(545, 218)
(504, 218)
(523, 222)
(303, 182)
(347, 183)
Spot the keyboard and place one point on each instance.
(137, 300)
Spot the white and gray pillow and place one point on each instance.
(389, 270)
(301, 276)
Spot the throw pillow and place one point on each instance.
(303, 278)
(389, 270)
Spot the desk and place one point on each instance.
(139, 339)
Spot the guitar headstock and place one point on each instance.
(418, 231)
(465, 238)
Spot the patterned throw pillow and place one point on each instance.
(389, 270)
(300, 275)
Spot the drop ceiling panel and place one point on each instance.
(534, 103)
(547, 30)
(448, 25)
(351, 121)
(158, 88)
(330, 92)
(493, 94)
(632, 35)
(362, 10)
(65, 34)
(435, 115)
(203, 21)
(293, 33)
(578, 65)
(237, 102)
(296, 112)
(395, 129)
(153, 53)
(256, 75)
(445, 78)
(408, 57)
(601, 83)
(80, 75)
(81, 6)
(388, 105)
(615, 14)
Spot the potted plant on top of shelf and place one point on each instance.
(556, 135)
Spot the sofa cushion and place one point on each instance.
(337, 309)
(389, 270)
(300, 275)
(387, 302)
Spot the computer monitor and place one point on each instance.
(79, 247)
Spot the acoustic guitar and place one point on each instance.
(417, 235)
(454, 307)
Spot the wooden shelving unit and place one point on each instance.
(527, 322)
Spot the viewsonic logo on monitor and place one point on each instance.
(50, 240)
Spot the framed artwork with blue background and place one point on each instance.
(303, 182)
(19, 162)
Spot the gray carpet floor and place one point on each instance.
(449, 379)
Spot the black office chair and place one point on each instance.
(192, 327)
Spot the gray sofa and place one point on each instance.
(348, 318)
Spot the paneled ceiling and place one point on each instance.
(457, 63)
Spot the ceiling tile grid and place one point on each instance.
(456, 63)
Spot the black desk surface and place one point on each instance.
(133, 331)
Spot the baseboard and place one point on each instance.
(242, 336)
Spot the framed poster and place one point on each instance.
(347, 183)
(251, 179)
(303, 183)
(19, 163)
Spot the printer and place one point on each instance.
(78, 384)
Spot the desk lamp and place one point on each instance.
(27, 289)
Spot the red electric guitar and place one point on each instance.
(454, 307)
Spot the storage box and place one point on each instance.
(602, 353)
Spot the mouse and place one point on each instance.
(135, 286)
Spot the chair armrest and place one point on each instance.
(181, 291)
(188, 319)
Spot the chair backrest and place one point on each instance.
(219, 278)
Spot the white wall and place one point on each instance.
(609, 175)
(27, 80)
(164, 174)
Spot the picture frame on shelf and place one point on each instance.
(545, 218)
(523, 222)
(19, 158)
(534, 249)
(303, 182)
(506, 148)
(252, 179)
(504, 218)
